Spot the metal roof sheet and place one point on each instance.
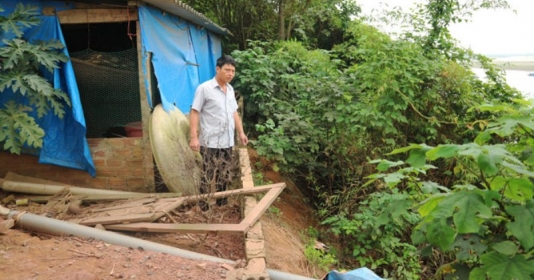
(186, 12)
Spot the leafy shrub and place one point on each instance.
(378, 236)
(487, 224)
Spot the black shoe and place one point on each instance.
(222, 201)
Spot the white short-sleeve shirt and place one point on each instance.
(216, 110)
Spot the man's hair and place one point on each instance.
(225, 59)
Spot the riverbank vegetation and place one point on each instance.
(417, 169)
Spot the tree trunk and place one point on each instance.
(281, 20)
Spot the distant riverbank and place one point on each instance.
(513, 63)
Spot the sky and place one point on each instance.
(491, 32)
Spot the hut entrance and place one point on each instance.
(105, 61)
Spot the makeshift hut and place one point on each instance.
(126, 57)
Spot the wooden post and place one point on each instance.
(148, 161)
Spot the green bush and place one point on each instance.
(487, 223)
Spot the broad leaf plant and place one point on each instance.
(488, 221)
(23, 67)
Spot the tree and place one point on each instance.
(23, 67)
(321, 24)
(316, 22)
(246, 19)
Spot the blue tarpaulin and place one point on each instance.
(64, 143)
(182, 54)
(357, 274)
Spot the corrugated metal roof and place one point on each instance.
(184, 11)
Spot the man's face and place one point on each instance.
(225, 73)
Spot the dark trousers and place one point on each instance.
(216, 174)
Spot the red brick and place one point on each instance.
(119, 164)
(99, 183)
(134, 163)
(116, 182)
(137, 155)
(80, 182)
(115, 163)
(135, 182)
(122, 153)
(94, 142)
(99, 162)
(115, 142)
(99, 155)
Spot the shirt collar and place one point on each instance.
(214, 84)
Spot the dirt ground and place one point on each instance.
(33, 255)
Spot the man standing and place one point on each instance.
(215, 108)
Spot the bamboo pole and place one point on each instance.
(48, 189)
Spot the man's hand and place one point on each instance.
(194, 144)
(243, 138)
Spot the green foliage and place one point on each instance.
(22, 65)
(316, 22)
(495, 211)
(22, 17)
(320, 115)
(18, 128)
(326, 261)
(323, 258)
(378, 236)
(500, 266)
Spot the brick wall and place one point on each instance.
(121, 164)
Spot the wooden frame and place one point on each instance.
(138, 215)
(77, 16)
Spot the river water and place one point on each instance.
(517, 79)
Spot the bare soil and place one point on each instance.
(34, 255)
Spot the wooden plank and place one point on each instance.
(183, 228)
(148, 159)
(258, 189)
(166, 206)
(162, 206)
(130, 204)
(117, 219)
(77, 16)
(261, 207)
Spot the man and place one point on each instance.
(215, 107)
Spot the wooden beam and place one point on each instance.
(117, 219)
(148, 157)
(242, 227)
(234, 192)
(77, 16)
(261, 207)
(188, 228)
(132, 204)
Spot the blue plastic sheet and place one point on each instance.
(64, 143)
(357, 274)
(182, 54)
